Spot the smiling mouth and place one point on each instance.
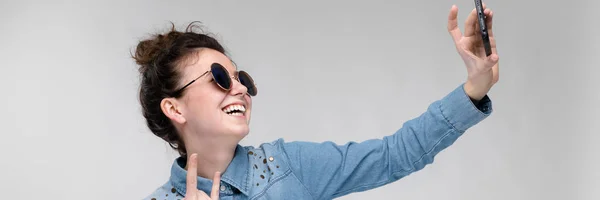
(235, 110)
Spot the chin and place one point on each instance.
(240, 131)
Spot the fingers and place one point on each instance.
(453, 24)
(494, 51)
(192, 191)
(471, 23)
(203, 195)
(192, 177)
(488, 21)
(214, 194)
(496, 72)
(491, 60)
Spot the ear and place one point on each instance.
(172, 109)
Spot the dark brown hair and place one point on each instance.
(159, 58)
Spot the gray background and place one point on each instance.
(72, 128)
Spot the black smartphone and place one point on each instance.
(483, 28)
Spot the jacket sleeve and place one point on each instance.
(330, 170)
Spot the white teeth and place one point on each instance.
(236, 114)
(232, 108)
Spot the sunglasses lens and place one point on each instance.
(221, 76)
(247, 81)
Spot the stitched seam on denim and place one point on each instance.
(230, 182)
(291, 169)
(233, 183)
(296, 177)
(264, 191)
(177, 188)
(445, 118)
(367, 185)
(401, 170)
(301, 183)
(433, 147)
(248, 175)
(426, 153)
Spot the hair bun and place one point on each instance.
(148, 52)
(153, 51)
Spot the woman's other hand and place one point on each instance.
(192, 192)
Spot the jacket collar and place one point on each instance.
(235, 175)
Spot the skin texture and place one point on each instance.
(482, 71)
(211, 135)
(205, 128)
(194, 194)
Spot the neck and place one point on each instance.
(213, 156)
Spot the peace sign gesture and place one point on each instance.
(192, 192)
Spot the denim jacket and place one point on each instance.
(310, 170)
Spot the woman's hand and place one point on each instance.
(482, 70)
(192, 192)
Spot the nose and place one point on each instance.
(237, 88)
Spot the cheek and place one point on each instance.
(205, 105)
(249, 101)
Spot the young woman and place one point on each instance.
(194, 98)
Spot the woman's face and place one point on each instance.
(204, 107)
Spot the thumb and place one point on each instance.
(491, 60)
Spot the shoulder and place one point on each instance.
(165, 191)
(281, 144)
(272, 147)
(289, 151)
(264, 150)
(279, 147)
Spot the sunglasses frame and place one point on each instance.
(179, 91)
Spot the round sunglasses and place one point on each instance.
(223, 79)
